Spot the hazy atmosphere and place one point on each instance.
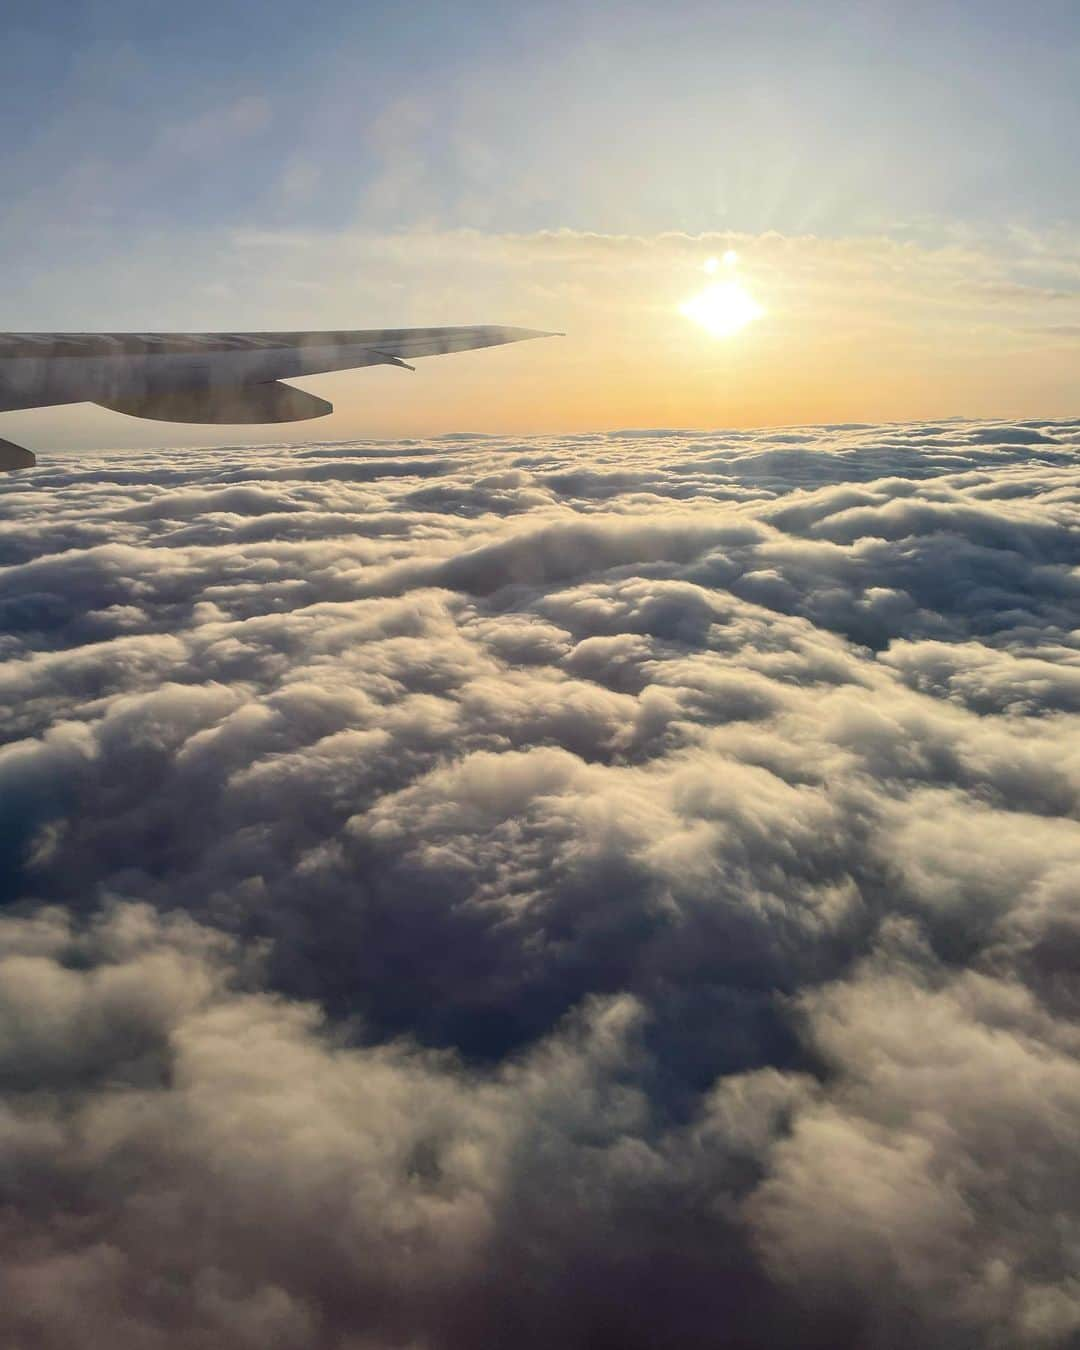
(577, 849)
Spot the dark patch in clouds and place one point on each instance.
(602, 892)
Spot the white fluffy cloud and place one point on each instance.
(608, 890)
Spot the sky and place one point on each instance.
(898, 182)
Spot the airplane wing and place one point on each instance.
(416, 342)
(209, 377)
(393, 341)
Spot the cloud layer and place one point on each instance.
(601, 891)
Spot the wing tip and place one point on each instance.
(527, 334)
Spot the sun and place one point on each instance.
(722, 309)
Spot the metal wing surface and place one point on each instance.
(209, 377)
(400, 342)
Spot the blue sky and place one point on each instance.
(836, 118)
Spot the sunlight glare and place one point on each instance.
(722, 308)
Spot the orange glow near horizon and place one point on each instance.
(857, 330)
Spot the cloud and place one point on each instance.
(602, 890)
(212, 131)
